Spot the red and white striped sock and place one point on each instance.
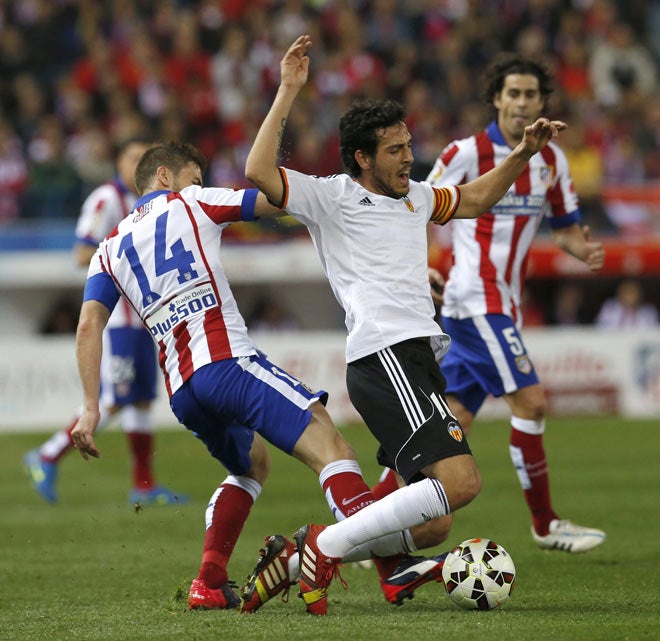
(347, 493)
(141, 445)
(226, 514)
(345, 488)
(387, 483)
(528, 456)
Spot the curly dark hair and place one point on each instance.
(506, 64)
(171, 154)
(359, 129)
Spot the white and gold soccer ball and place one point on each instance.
(479, 574)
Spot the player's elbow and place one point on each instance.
(267, 180)
(255, 172)
(93, 318)
(251, 173)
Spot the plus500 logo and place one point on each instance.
(180, 310)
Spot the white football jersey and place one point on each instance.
(165, 260)
(373, 249)
(490, 252)
(102, 211)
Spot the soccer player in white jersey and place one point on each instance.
(481, 309)
(129, 369)
(164, 259)
(369, 228)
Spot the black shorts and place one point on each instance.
(399, 392)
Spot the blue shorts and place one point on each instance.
(128, 366)
(487, 356)
(225, 402)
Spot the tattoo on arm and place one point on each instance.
(280, 134)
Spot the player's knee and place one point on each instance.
(467, 489)
(432, 533)
(460, 479)
(536, 409)
(529, 403)
(260, 462)
(259, 471)
(540, 409)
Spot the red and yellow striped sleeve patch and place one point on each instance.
(446, 200)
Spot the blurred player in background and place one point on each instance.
(481, 307)
(129, 368)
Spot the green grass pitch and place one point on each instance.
(92, 568)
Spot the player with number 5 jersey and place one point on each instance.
(481, 308)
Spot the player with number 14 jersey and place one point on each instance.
(157, 249)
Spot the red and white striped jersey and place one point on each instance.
(490, 252)
(164, 258)
(102, 211)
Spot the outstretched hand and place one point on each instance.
(83, 435)
(539, 133)
(294, 66)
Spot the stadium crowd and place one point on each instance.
(79, 76)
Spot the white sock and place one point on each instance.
(406, 507)
(388, 545)
(294, 567)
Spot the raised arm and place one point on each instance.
(481, 194)
(261, 165)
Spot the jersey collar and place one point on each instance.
(150, 196)
(494, 133)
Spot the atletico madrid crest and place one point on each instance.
(523, 364)
(546, 174)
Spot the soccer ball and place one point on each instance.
(478, 574)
